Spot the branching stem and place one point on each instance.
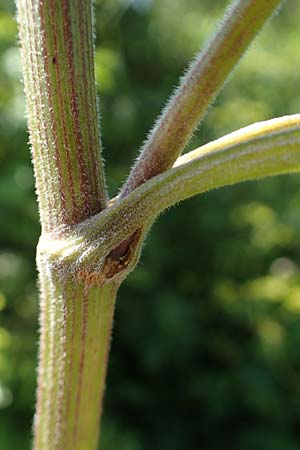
(197, 89)
(257, 151)
(87, 248)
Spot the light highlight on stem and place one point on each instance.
(260, 150)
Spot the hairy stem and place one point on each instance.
(206, 75)
(75, 324)
(75, 319)
(80, 256)
(260, 150)
(57, 55)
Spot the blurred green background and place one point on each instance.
(206, 344)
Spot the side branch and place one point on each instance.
(206, 75)
(260, 150)
(57, 54)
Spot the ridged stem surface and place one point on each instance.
(82, 257)
(75, 318)
(58, 72)
(75, 324)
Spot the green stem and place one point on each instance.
(75, 319)
(260, 150)
(57, 56)
(198, 88)
(75, 324)
(205, 77)
(79, 275)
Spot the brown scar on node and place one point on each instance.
(114, 263)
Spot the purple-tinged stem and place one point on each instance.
(57, 56)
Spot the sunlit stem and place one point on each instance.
(198, 87)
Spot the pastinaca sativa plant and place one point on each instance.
(90, 243)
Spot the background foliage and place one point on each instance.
(206, 342)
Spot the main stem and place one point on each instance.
(75, 323)
(75, 319)
(58, 72)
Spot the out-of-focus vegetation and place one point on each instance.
(207, 333)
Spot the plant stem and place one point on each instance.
(80, 260)
(260, 150)
(57, 56)
(75, 324)
(75, 319)
(198, 87)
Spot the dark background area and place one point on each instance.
(206, 342)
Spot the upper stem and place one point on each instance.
(57, 56)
